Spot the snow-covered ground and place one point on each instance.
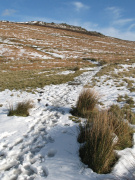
(44, 145)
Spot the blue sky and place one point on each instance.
(115, 18)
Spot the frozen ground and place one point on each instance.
(44, 145)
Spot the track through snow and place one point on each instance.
(44, 145)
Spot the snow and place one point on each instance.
(35, 54)
(44, 145)
(56, 55)
(66, 72)
(93, 62)
(125, 66)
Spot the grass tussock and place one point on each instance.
(129, 82)
(129, 102)
(121, 127)
(76, 68)
(129, 114)
(103, 132)
(21, 109)
(97, 151)
(86, 102)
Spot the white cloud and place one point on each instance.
(80, 6)
(115, 12)
(131, 27)
(119, 26)
(117, 33)
(108, 31)
(8, 12)
(115, 16)
(122, 22)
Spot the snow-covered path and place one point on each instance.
(44, 145)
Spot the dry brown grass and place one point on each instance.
(86, 103)
(104, 132)
(121, 128)
(75, 47)
(102, 48)
(21, 109)
(97, 151)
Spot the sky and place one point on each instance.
(115, 18)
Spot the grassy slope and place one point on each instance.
(23, 47)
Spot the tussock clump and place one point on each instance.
(21, 109)
(130, 101)
(97, 151)
(103, 132)
(126, 99)
(121, 127)
(86, 102)
(120, 98)
(129, 115)
(129, 82)
(132, 89)
(76, 68)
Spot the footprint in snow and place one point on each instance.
(29, 170)
(45, 171)
(64, 131)
(49, 139)
(54, 121)
(2, 155)
(51, 153)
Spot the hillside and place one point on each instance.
(46, 66)
(39, 48)
(58, 45)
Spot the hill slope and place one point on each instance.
(28, 42)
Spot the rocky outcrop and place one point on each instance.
(64, 26)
